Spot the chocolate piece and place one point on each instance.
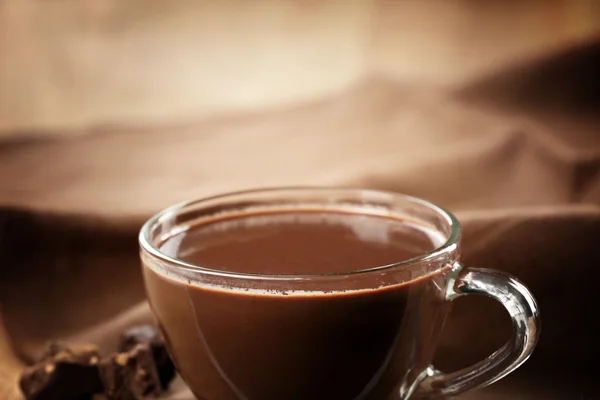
(131, 375)
(63, 373)
(149, 334)
(60, 350)
(138, 335)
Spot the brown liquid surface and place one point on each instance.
(300, 243)
(250, 345)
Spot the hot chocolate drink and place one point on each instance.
(329, 343)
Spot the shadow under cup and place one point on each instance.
(366, 334)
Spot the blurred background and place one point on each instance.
(111, 110)
(73, 68)
(72, 64)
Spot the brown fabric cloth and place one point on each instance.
(523, 177)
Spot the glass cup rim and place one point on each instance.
(146, 243)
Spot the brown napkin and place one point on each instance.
(526, 191)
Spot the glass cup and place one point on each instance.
(330, 335)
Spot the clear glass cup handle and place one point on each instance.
(523, 310)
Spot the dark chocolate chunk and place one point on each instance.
(63, 373)
(139, 334)
(77, 352)
(130, 375)
(149, 334)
